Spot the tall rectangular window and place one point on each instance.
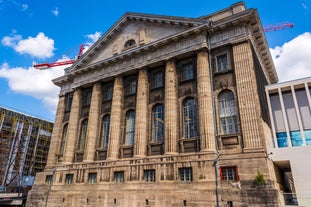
(49, 179)
(92, 178)
(149, 175)
(68, 101)
(130, 85)
(227, 112)
(107, 92)
(229, 173)
(69, 179)
(185, 174)
(222, 62)
(187, 71)
(130, 128)
(86, 97)
(119, 176)
(157, 80)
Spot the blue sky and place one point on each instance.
(50, 30)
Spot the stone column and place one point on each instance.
(57, 133)
(141, 125)
(247, 96)
(205, 103)
(73, 127)
(171, 120)
(115, 120)
(93, 124)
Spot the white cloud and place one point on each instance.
(55, 11)
(293, 59)
(40, 46)
(93, 37)
(24, 7)
(33, 82)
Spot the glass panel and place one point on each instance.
(227, 113)
(189, 118)
(92, 178)
(228, 173)
(296, 138)
(130, 128)
(222, 63)
(105, 131)
(282, 139)
(119, 177)
(149, 175)
(187, 71)
(308, 136)
(158, 124)
(157, 80)
(185, 174)
(64, 137)
(83, 135)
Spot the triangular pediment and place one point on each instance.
(132, 31)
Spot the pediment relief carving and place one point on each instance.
(141, 28)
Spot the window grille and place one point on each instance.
(105, 131)
(227, 113)
(49, 179)
(229, 173)
(86, 97)
(187, 71)
(92, 178)
(185, 174)
(158, 123)
(130, 86)
(108, 92)
(222, 62)
(149, 175)
(130, 128)
(189, 118)
(69, 179)
(119, 177)
(83, 135)
(157, 80)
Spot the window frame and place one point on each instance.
(157, 128)
(107, 91)
(118, 176)
(149, 175)
(104, 138)
(227, 109)
(83, 135)
(92, 178)
(69, 179)
(68, 101)
(185, 174)
(184, 72)
(130, 124)
(130, 44)
(228, 173)
(49, 179)
(190, 125)
(86, 97)
(220, 69)
(64, 138)
(157, 79)
(130, 85)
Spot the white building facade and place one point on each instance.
(290, 115)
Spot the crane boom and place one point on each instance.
(280, 26)
(43, 66)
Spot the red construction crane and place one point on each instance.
(279, 26)
(43, 66)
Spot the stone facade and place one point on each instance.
(164, 111)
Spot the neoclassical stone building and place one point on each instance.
(165, 111)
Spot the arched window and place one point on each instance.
(227, 113)
(130, 43)
(105, 131)
(189, 118)
(83, 133)
(158, 123)
(129, 128)
(64, 137)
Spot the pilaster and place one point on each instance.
(115, 120)
(73, 127)
(247, 95)
(93, 124)
(141, 125)
(205, 103)
(171, 109)
(57, 133)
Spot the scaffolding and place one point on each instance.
(24, 144)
